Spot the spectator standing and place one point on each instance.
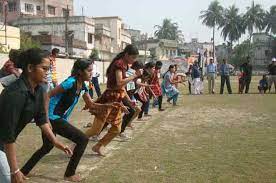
(225, 70)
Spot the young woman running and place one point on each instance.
(20, 102)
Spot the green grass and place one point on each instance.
(207, 138)
(210, 138)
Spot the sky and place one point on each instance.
(144, 14)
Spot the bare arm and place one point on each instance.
(10, 151)
(120, 81)
(46, 129)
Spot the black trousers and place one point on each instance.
(190, 90)
(160, 100)
(127, 117)
(246, 83)
(95, 82)
(64, 129)
(144, 106)
(227, 80)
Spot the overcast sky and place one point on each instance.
(144, 14)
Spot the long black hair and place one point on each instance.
(33, 56)
(80, 65)
(170, 67)
(129, 49)
(137, 65)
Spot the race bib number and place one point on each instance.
(130, 86)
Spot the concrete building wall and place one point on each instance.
(81, 27)
(115, 25)
(59, 5)
(13, 38)
(38, 8)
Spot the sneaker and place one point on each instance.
(95, 138)
(124, 137)
(148, 115)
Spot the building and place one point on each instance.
(222, 52)
(10, 39)
(160, 49)
(50, 32)
(120, 36)
(103, 42)
(136, 35)
(35, 8)
(261, 52)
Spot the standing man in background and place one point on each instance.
(272, 74)
(211, 74)
(246, 68)
(225, 70)
(95, 80)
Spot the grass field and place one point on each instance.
(207, 138)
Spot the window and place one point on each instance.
(29, 8)
(90, 38)
(12, 6)
(51, 10)
(64, 12)
(38, 8)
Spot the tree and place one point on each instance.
(94, 54)
(240, 53)
(232, 25)
(27, 42)
(168, 30)
(212, 17)
(270, 20)
(254, 18)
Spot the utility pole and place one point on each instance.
(6, 13)
(66, 16)
(146, 47)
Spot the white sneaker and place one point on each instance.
(95, 138)
(124, 137)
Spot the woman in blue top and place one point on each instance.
(168, 87)
(63, 99)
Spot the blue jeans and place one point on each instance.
(4, 169)
(174, 98)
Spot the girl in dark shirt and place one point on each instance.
(21, 102)
(63, 99)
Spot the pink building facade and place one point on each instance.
(34, 8)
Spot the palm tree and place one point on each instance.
(212, 17)
(270, 20)
(254, 18)
(168, 30)
(232, 25)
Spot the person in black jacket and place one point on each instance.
(246, 68)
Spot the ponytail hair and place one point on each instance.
(129, 49)
(80, 65)
(33, 56)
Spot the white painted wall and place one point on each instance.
(34, 2)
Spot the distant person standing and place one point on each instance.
(225, 70)
(196, 79)
(52, 73)
(272, 74)
(246, 68)
(211, 75)
(188, 74)
(95, 80)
